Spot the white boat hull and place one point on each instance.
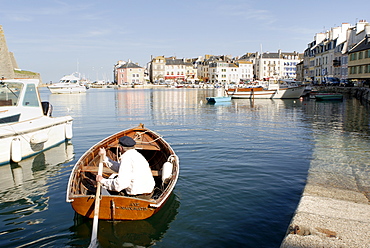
(55, 89)
(286, 93)
(218, 99)
(23, 139)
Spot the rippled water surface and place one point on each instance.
(243, 166)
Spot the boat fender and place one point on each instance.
(166, 171)
(38, 138)
(16, 150)
(68, 130)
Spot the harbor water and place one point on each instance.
(243, 167)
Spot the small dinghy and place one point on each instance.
(162, 160)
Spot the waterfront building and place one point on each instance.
(359, 62)
(218, 70)
(156, 68)
(128, 73)
(274, 65)
(299, 72)
(327, 55)
(245, 70)
(224, 70)
(176, 70)
(340, 62)
(171, 69)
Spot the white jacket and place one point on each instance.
(134, 174)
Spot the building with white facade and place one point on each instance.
(274, 65)
(172, 69)
(327, 55)
(224, 70)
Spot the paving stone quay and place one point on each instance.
(334, 210)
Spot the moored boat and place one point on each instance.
(68, 84)
(266, 90)
(215, 99)
(163, 162)
(26, 124)
(328, 96)
(261, 93)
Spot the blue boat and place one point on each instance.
(215, 99)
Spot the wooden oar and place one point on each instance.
(94, 234)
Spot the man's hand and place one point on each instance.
(102, 152)
(99, 178)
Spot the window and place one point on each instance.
(367, 68)
(9, 93)
(31, 99)
(360, 55)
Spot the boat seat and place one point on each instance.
(139, 146)
(107, 170)
(150, 146)
(6, 102)
(95, 169)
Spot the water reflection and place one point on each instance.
(219, 103)
(72, 102)
(25, 182)
(143, 233)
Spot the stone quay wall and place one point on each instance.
(335, 213)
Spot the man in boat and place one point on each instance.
(134, 174)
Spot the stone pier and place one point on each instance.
(334, 210)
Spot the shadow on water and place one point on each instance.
(142, 233)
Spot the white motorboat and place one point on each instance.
(26, 124)
(69, 84)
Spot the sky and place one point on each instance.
(59, 37)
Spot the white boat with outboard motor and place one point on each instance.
(68, 84)
(26, 124)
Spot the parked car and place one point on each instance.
(332, 81)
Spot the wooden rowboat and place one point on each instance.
(162, 160)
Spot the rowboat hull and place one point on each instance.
(115, 208)
(118, 207)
